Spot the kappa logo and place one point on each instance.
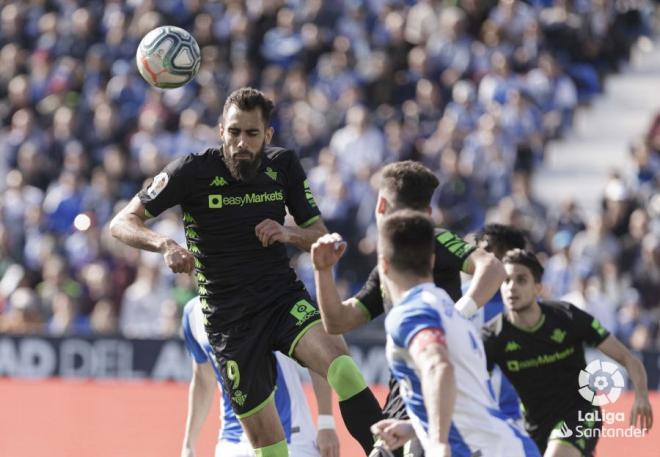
(218, 182)
(558, 335)
(512, 346)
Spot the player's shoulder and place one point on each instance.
(276, 154)
(446, 240)
(192, 311)
(558, 308)
(195, 161)
(493, 328)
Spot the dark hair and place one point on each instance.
(408, 184)
(405, 238)
(247, 99)
(501, 238)
(526, 259)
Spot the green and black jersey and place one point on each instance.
(237, 276)
(451, 251)
(544, 363)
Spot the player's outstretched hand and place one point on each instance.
(642, 409)
(269, 232)
(328, 443)
(178, 258)
(327, 251)
(393, 432)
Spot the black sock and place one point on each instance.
(360, 412)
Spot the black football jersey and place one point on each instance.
(236, 275)
(543, 363)
(451, 251)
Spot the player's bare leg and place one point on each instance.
(264, 430)
(328, 356)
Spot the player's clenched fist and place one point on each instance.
(327, 251)
(269, 231)
(177, 258)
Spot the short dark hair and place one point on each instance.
(247, 99)
(501, 238)
(408, 184)
(526, 259)
(405, 238)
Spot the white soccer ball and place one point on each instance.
(168, 57)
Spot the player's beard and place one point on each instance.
(244, 169)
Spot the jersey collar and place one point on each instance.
(419, 288)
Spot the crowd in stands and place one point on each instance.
(473, 89)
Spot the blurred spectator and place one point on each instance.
(457, 85)
(23, 314)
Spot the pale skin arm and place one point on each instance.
(269, 232)
(487, 275)
(326, 439)
(200, 398)
(641, 409)
(439, 391)
(129, 227)
(338, 317)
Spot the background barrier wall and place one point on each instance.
(58, 418)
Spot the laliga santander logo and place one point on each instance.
(601, 383)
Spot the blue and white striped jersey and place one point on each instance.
(477, 424)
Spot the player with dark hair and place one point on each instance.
(539, 347)
(234, 200)
(410, 185)
(436, 355)
(499, 238)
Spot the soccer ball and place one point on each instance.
(168, 57)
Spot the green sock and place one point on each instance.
(345, 378)
(274, 450)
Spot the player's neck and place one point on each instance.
(526, 318)
(399, 284)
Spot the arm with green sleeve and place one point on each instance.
(338, 316)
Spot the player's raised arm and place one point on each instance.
(326, 438)
(429, 353)
(338, 317)
(200, 397)
(641, 408)
(487, 276)
(129, 227)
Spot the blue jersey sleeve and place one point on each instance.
(196, 351)
(406, 321)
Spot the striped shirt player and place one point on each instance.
(290, 399)
(505, 394)
(478, 427)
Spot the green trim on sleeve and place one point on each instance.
(310, 222)
(363, 308)
(257, 408)
(147, 213)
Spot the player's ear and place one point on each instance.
(221, 129)
(432, 260)
(381, 205)
(270, 131)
